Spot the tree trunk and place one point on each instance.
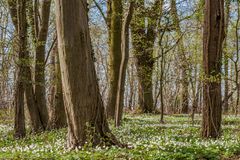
(161, 87)
(143, 38)
(35, 121)
(195, 92)
(115, 55)
(57, 118)
(19, 123)
(183, 65)
(236, 62)
(41, 38)
(131, 85)
(226, 85)
(82, 99)
(123, 66)
(212, 49)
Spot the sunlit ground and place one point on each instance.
(176, 139)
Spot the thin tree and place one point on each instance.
(115, 55)
(38, 14)
(183, 59)
(123, 66)
(236, 62)
(57, 116)
(226, 58)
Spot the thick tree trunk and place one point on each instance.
(145, 89)
(143, 39)
(19, 123)
(82, 99)
(115, 55)
(212, 48)
(26, 73)
(182, 55)
(57, 118)
(40, 90)
(35, 119)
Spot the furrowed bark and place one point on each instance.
(212, 49)
(84, 107)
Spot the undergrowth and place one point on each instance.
(176, 139)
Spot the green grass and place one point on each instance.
(176, 139)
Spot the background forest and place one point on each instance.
(119, 79)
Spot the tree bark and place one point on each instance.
(226, 59)
(143, 39)
(57, 118)
(27, 75)
(212, 49)
(82, 99)
(123, 66)
(236, 62)
(115, 33)
(19, 122)
(41, 38)
(36, 123)
(161, 90)
(35, 92)
(131, 85)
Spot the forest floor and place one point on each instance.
(176, 139)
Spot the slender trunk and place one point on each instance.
(232, 83)
(156, 86)
(184, 66)
(237, 60)
(161, 87)
(123, 66)
(226, 63)
(200, 100)
(195, 92)
(57, 118)
(41, 38)
(115, 55)
(52, 81)
(131, 87)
